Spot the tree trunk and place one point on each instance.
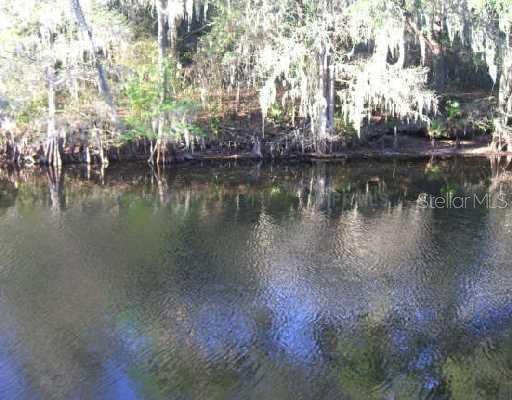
(503, 122)
(12, 149)
(322, 101)
(103, 153)
(53, 157)
(505, 95)
(439, 71)
(162, 18)
(162, 70)
(256, 149)
(331, 96)
(439, 59)
(87, 154)
(432, 44)
(173, 21)
(102, 80)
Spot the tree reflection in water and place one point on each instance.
(268, 281)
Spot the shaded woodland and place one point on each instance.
(96, 81)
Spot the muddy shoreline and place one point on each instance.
(407, 148)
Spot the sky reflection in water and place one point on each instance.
(324, 281)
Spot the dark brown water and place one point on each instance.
(256, 282)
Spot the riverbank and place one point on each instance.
(385, 147)
(406, 147)
(411, 147)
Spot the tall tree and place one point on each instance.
(102, 79)
(325, 56)
(48, 57)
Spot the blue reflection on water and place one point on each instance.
(12, 380)
(220, 327)
(486, 305)
(489, 318)
(133, 342)
(122, 385)
(294, 315)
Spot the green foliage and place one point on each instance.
(145, 106)
(344, 128)
(143, 96)
(180, 128)
(453, 109)
(214, 125)
(437, 129)
(483, 126)
(279, 114)
(275, 191)
(450, 126)
(137, 129)
(34, 108)
(275, 113)
(433, 172)
(449, 191)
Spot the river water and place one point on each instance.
(328, 281)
